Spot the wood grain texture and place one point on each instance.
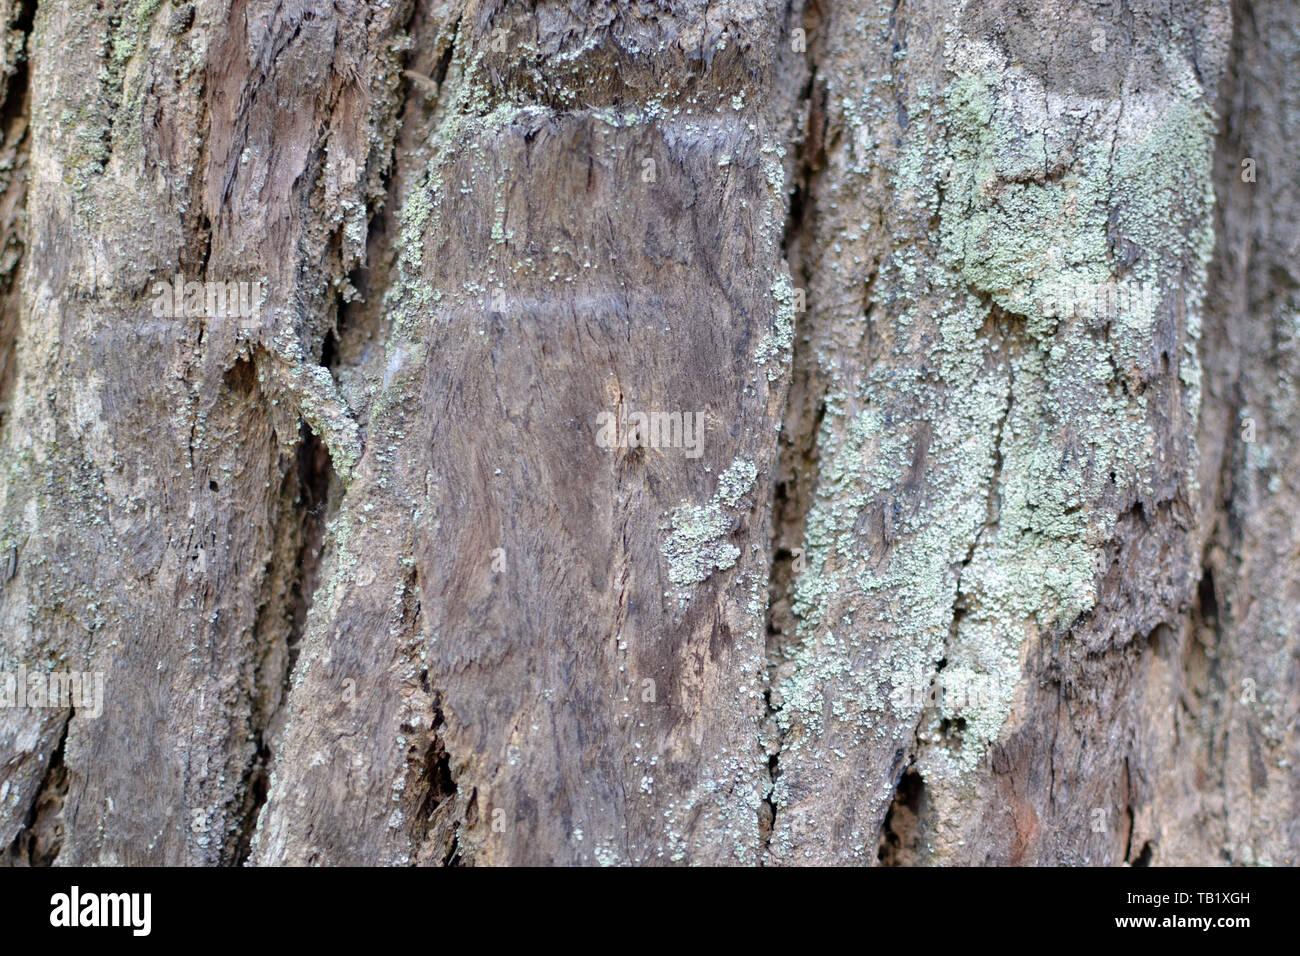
(983, 550)
(620, 254)
(148, 493)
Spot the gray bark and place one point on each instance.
(987, 554)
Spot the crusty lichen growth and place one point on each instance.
(775, 349)
(697, 545)
(1037, 243)
(1025, 413)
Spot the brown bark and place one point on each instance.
(986, 555)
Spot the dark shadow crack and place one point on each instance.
(900, 834)
(309, 483)
(805, 407)
(15, 107)
(41, 838)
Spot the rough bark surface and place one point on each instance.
(986, 552)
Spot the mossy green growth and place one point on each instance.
(132, 29)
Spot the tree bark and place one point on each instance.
(958, 528)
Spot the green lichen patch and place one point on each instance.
(775, 349)
(697, 545)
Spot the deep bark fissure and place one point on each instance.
(1128, 811)
(454, 855)
(319, 492)
(798, 456)
(313, 478)
(359, 320)
(41, 838)
(901, 828)
(16, 84)
(439, 790)
(436, 787)
(15, 98)
(436, 776)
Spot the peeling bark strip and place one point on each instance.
(695, 432)
(596, 229)
(149, 487)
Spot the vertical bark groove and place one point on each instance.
(41, 837)
(804, 407)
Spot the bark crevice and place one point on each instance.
(41, 838)
(312, 479)
(14, 138)
(805, 405)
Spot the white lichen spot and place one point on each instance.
(696, 546)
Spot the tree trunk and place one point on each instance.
(712, 433)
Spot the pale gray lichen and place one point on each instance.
(736, 481)
(697, 546)
(776, 347)
(1027, 427)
